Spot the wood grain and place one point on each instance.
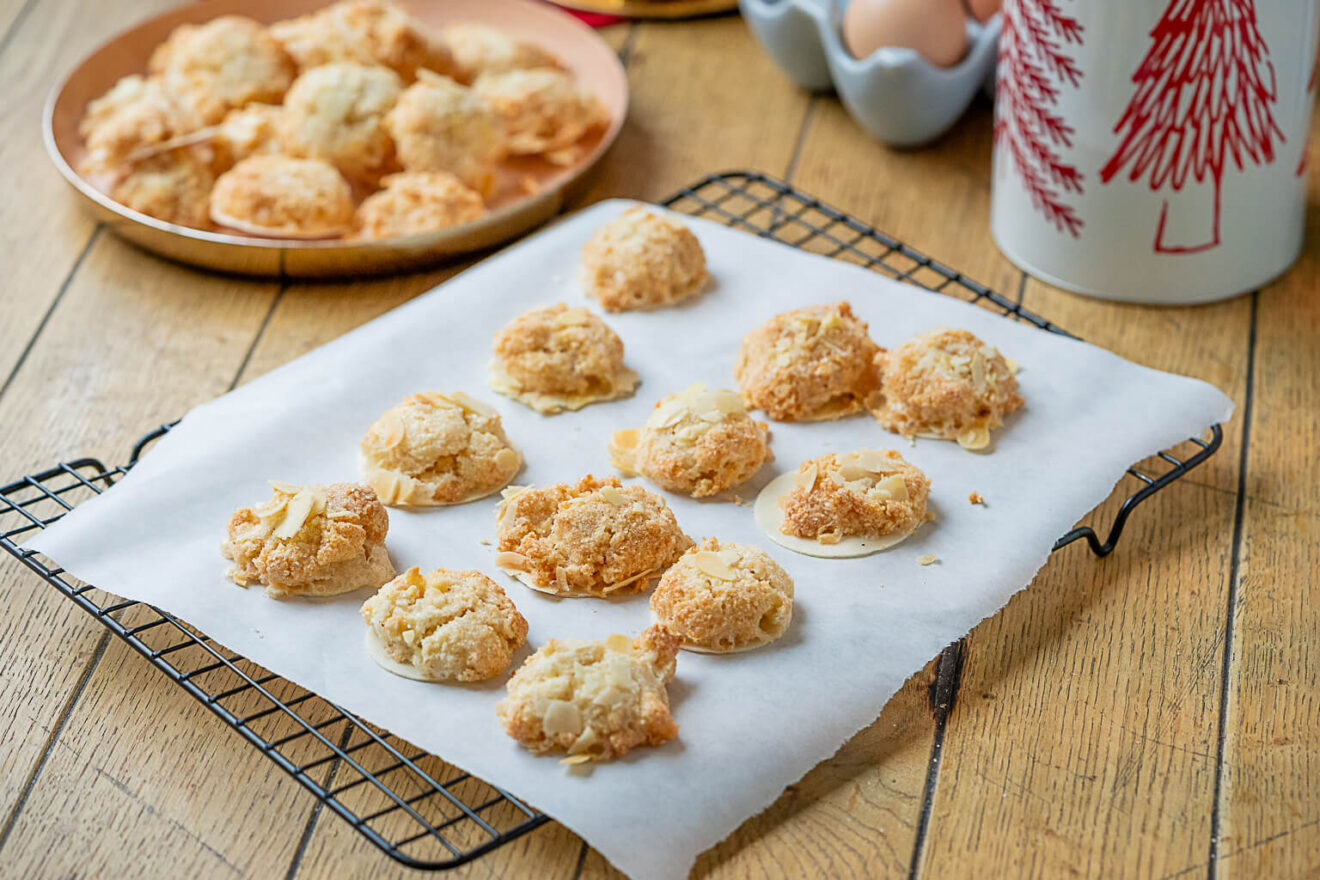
(1271, 756)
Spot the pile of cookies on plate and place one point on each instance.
(351, 121)
(594, 537)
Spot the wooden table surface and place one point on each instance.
(1153, 714)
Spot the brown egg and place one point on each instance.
(982, 9)
(936, 29)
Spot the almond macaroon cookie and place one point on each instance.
(246, 132)
(336, 113)
(311, 541)
(439, 125)
(174, 186)
(415, 202)
(642, 260)
(593, 700)
(723, 597)
(945, 384)
(435, 449)
(222, 65)
(364, 31)
(556, 358)
(135, 114)
(544, 111)
(589, 538)
(478, 48)
(279, 196)
(698, 442)
(845, 504)
(807, 365)
(443, 626)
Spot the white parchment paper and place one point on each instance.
(750, 723)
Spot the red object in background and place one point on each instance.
(1034, 65)
(1203, 97)
(592, 19)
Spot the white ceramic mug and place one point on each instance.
(1153, 150)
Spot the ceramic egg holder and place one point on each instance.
(894, 93)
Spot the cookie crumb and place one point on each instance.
(929, 559)
(976, 498)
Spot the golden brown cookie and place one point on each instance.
(435, 449)
(557, 358)
(724, 597)
(589, 538)
(807, 365)
(945, 383)
(173, 186)
(642, 260)
(845, 504)
(364, 31)
(594, 700)
(311, 541)
(336, 113)
(249, 131)
(136, 114)
(222, 65)
(439, 125)
(697, 442)
(280, 196)
(477, 48)
(544, 111)
(444, 625)
(414, 202)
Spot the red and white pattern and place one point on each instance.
(1035, 65)
(1204, 95)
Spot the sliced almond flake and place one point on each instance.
(390, 429)
(618, 642)
(509, 559)
(806, 479)
(976, 438)
(1013, 366)
(874, 461)
(626, 439)
(573, 317)
(853, 472)
(613, 495)
(828, 538)
(561, 716)
(574, 760)
(299, 509)
(978, 372)
(730, 556)
(626, 581)
(410, 636)
(988, 352)
(286, 488)
(928, 559)
(506, 459)
(434, 398)
(713, 564)
(561, 578)
(512, 491)
(667, 413)
(470, 403)
(893, 487)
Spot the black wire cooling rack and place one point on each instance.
(414, 807)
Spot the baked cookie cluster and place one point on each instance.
(359, 88)
(590, 538)
(310, 541)
(867, 493)
(642, 260)
(723, 597)
(437, 448)
(444, 625)
(698, 442)
(807, 365)
(945, 383)
(557, 358)
(594, 700)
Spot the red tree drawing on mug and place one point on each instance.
(1034, 67)
(1203, 98)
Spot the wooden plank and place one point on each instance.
(1084, 736)
(136, 341)
(1270, 799)
(936, 199)
(45, 230)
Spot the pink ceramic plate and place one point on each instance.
(579, 48)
